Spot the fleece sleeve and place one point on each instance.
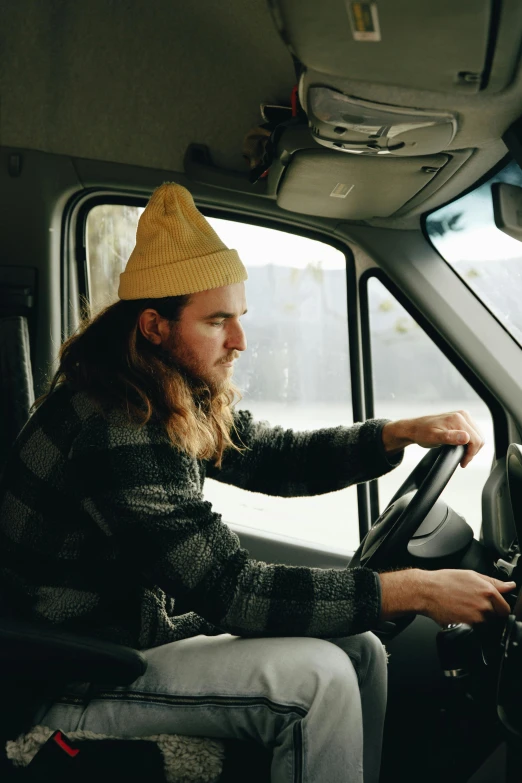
(142, 491)
(282, 462)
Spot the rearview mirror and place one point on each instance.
(507, 208)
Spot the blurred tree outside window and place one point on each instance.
(110, 239)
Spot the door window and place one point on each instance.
(295, 372)
(412, 377)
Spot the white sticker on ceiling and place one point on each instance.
(341, 190)
(364, 19)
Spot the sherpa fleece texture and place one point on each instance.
(104, 530)
(185, 759)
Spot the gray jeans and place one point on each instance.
(311, 701)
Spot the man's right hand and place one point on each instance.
(447, 596)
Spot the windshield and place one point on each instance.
(489, 261)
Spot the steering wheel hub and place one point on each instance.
(386, 543)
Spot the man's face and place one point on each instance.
(209, 337)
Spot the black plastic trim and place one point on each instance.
(368, 386)
(357, 384)
(492, 41)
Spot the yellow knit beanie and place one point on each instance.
(177, 251)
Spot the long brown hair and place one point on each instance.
(109, 359)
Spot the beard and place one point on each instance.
(182, 360)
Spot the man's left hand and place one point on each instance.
(428, 431)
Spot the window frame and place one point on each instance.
(76, 220)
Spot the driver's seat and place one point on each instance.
(37, 662)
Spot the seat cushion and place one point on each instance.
(194, 759)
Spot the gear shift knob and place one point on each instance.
(456, 645)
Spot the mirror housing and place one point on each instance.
(507, 208)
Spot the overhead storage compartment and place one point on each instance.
(441, 45)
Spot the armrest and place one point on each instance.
(38, 652)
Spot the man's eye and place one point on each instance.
(217, 323)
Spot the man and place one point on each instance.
(106, 531)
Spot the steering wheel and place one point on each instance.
(384, 546)
(385, 543)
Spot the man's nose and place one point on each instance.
(236, 338)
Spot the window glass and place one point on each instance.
(412, 377)
(488, 260)
(295, 372)
(110, 239)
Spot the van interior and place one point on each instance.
(365, 160)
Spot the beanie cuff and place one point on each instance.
(184, 277)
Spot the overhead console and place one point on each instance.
(348, 157)
(347, 124)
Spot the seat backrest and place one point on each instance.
(16, 380)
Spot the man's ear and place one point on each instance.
(153, 326)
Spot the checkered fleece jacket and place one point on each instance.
(104, 529)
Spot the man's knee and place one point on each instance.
(366, 651)
(372, 649)
(325, 667)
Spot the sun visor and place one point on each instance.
(452, 46)
(318, 182)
